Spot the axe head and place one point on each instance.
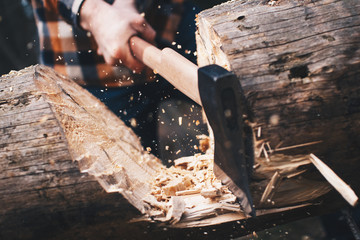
(223, 102)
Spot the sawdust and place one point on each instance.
(192, 183)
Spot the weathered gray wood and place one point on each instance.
(55, 149)
(53, 136)
(299, 66)
(44, 126)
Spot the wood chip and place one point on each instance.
(296, 146)
(175, 185)
(176, 210)
(183, 161)
(210, 192)
(260, 150)
(188, 192)
(344, 189)
(270, 189)
(258, 132)
(266, 154)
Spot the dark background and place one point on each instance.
(18, 37)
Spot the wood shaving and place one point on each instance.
(192, 186)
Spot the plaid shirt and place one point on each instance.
(72, 51)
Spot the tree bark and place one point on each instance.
(56, 148)
(298, 63)
(58, 142)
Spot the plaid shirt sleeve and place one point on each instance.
(69, 10)
(72, 51)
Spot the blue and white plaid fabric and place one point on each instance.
(71, 51)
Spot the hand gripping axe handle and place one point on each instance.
(220, 94)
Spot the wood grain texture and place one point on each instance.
(100, 142)
(298, 63)
(56, 144)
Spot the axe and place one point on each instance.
(220, 94)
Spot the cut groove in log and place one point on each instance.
(58, 143)
(298, 63)
(298, 92)
(52, 130)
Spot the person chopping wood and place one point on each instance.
(88, 41)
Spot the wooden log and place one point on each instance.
(299, 65)
(58, 142)
(65, 158)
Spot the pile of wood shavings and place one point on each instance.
(189, 175)
(189, 188)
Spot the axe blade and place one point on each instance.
(222, 99)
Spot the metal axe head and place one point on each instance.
(222, 99)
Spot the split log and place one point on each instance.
(71, 169)
(299, 66)
(58, 142)
(61, 148)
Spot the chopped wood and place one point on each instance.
(61, 154)
(176, 210)
(210, 192)
(175, 185)
(260, 150)
(258, 135)
(270, 189)
(296, 146)
(279, 144)
(157, 204)
(284, 164)
(291, 175)
(204, 143)
(256, 165)
(184, 161)
(186, 179)
(307, 76)
(266, 154)
(201, 211)
(188, 192)
(316, 110)
(344, 189)
(269, 147)
(282, 171)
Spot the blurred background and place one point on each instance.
(18, 37)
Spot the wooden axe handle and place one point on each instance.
(175, 68)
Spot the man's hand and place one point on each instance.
(112, 26)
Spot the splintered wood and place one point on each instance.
(190, 190)
(294, 114)
(189, 174)
(344, 189)
(186, 194)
